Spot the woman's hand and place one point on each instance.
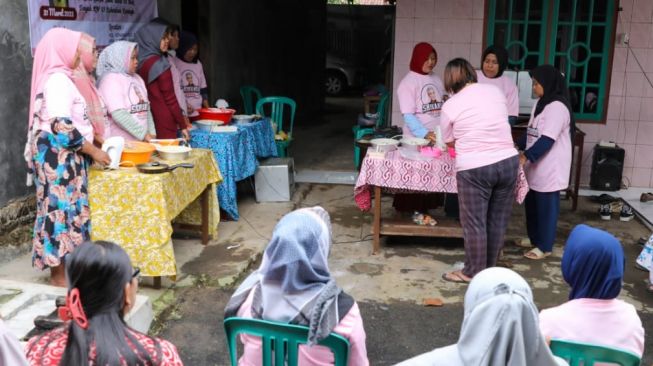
(190, 110)
(187, 121)
(148, 137)
(185, 134)
(522, 159)
(101, 157)
(430, 136)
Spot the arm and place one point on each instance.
(414, 125)
(151, 129)
(204, 92)
(357, 349)
(128, 123)
(166, 86)
(521, 142)
(539, 148)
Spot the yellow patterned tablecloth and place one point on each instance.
(136, 210)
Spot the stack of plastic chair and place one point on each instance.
(250, 95)
(360, 131)
(577, 354)
(281, 340)
(277, 106)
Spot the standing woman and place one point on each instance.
(125, 93)
(421, 94)
(474, 120)
(192, 74)
(547, 157)
(85, 83)
(59, 143)
(493, 64)
(154, 68)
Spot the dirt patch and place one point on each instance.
(215, 259)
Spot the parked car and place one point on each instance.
(339, 75)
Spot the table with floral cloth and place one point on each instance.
(136, 210)
(394, 173)
(237, 154)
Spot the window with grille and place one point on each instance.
(576, 36)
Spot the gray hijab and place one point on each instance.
(293, 283)
(500, 328)
(148, 38)
(115, 58)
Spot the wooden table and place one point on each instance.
(394, 173)
(136, 210)
(576, 161)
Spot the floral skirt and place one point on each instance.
(62, 208)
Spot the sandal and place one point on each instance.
(536, 254)
(523, 243)
(455, 276)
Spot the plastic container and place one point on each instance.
(216, 114)
(137, 152)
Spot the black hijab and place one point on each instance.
(555, 89)
(501, 55)
(186, 41)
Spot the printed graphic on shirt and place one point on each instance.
(431, 100)
(137, 98)
(190, 84)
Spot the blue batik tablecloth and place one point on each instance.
(236, 154)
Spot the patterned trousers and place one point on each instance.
(485, 195)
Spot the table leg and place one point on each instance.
(204, 201)
(376, 227)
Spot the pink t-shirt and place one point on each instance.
(611, 323)
(350, 327)
(551, 172)
(421, 95)
(507, 86)
(192, 81)
(62, 99)
(475, 118)
(128, 92)
(176, 82)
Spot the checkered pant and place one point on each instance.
(485, 196)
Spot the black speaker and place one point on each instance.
(607, 168)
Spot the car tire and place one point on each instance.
(334, 83)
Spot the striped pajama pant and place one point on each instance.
(485, 196)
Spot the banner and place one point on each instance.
(106, 20)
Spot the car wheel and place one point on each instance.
(334, 83)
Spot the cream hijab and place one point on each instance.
(500, 328)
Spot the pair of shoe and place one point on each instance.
(645, 197)
(626, 213)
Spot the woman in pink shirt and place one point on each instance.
(546, 157)
(593, 266)
(192, 73)
(293, 285)
(125, 93)
(473, 121)
(58, 151)
(493, 63)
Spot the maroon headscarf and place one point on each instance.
(421, 53)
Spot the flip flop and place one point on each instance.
(454, 277)
(536, 254)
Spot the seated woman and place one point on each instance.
(493, 63)
(499, 328)
(124, 93)
(593, 265)
(102, 289)
(293, 285)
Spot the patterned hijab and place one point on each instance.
(293, 283)
(148, 38)
(593, 264)
(501, 323)
(115, 58)
(83, 79)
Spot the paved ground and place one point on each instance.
(390, 286)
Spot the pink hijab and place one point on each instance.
(85, 82)
(54, 53)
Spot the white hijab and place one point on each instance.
(500, 327)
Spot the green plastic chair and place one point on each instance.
(281, 339)
(359, 131)
(248, 93)
(576, 354)
(277, 106)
